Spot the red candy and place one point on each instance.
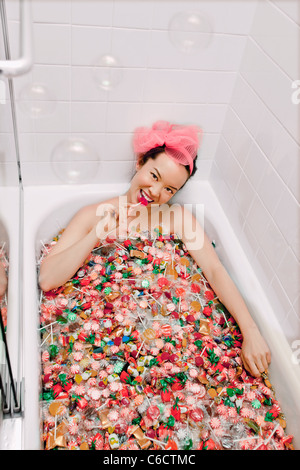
(144, 201)
(207, 311)
(196, 415)
(153, 412)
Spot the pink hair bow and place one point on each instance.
(181, 142)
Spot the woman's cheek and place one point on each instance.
(166, 198)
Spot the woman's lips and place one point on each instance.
(144, 198)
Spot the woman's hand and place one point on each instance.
(255, 353)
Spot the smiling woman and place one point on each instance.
(156, 181)
(138, 338)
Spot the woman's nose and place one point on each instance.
(154, 191)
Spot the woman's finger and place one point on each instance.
(250, 366)
(261, 365)
(268, 358)
(265, 362)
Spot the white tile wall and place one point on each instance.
(8, 161)
(257, 158)
(158, 80)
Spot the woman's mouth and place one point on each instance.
(144, 198)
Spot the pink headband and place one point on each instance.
(181, 142)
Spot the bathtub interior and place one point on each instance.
(53, 210)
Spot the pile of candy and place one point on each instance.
(138, 353)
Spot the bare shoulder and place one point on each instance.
(79, 226)
(88, 215)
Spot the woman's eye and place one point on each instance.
(154, 176)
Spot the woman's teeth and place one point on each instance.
(144, 199)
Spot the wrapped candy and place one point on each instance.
(138, 353)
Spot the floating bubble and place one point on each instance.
(107, 72)
(37, 101)
(75, 161)
(190, 31)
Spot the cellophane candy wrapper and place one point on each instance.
(137, 353)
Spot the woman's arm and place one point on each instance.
(75, 244)
(255, 353)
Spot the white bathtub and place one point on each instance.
(48, 208)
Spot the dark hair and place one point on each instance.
(153, 154)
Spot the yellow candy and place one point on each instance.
(68, 290)
(149, 334)
(84, 446)
(78, 378)
(196, 305)
(212, 392)
(55, 408)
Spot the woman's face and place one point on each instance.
(157, 180)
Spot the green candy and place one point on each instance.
(171, 422)
(145, 283)
(188, 444)
(72, 316)
(118, 367)
(161, 407)
(53, 350)
(256, 404)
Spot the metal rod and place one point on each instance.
(8, 361)
(13, 68)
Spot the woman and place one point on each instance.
(143, 331)
(166, 160)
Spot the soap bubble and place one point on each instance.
(36, 101)
(74, 161)
(107, 72)
(190, 31)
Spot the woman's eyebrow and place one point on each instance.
(173, 187)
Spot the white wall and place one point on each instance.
(256, 166)
(159, 81)
(8, 162)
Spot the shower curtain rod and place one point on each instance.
(14, 68)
